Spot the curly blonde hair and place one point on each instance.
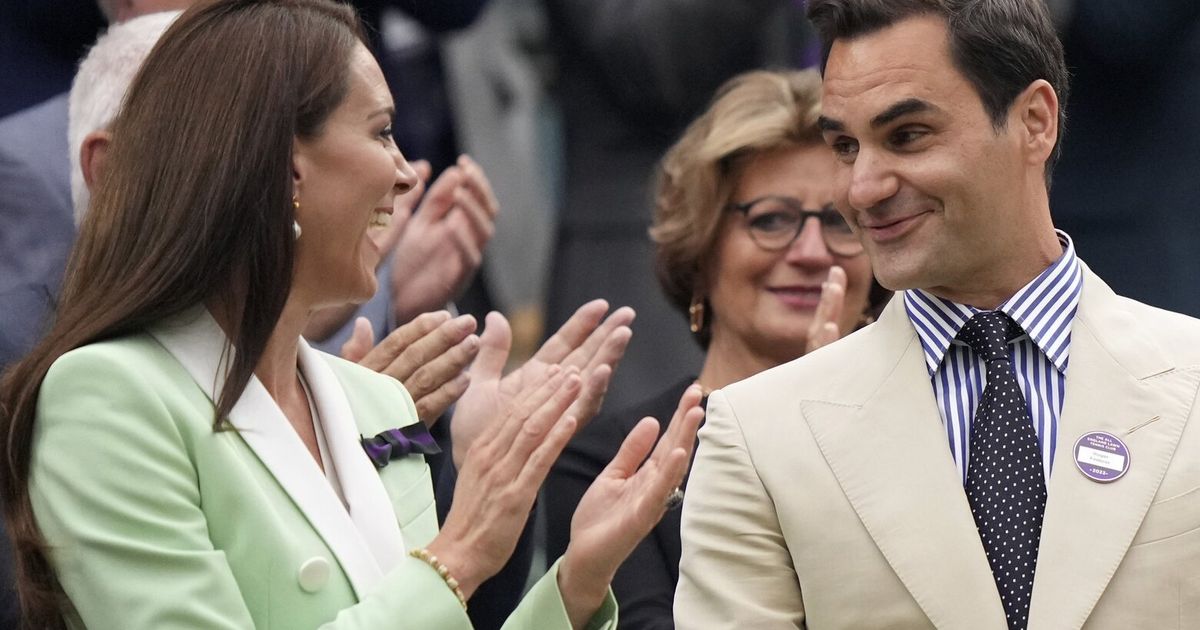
(751, 113)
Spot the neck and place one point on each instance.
(1031, 250)
(277, 368)
(729, 362)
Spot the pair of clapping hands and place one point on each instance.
(507, 430)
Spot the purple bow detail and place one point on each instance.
(396, 443)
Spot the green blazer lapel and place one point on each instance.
(367, 500)
(198, 343)
(883, 438)
(1120, 382)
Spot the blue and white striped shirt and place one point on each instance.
(1045, 309)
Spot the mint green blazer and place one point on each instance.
(156, 521)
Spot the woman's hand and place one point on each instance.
(429, 355)
(501, 475)
(587, 342)
(623, 504)
(824, 329)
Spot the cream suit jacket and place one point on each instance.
(156, 522)
(824, 494)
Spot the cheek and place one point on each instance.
(742, 267)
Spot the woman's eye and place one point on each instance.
(833, 220)
(772, 221)
(386, 133)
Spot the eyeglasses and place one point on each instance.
(775, 222)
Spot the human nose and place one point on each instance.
(871, 181)
(406, 175)
(809, 248)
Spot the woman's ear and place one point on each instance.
(299, 164)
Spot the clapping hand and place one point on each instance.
(501, 476)
(623, 504)
(428, 355)
(587, 342)
(442, 245)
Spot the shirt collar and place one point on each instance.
(1044, 308)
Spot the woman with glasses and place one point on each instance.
(752, 251)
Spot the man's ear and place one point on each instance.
(1037, 108)
(93, 154)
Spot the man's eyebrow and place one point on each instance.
(902, 108)
(829, 124)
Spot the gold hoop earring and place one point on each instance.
(696, 314)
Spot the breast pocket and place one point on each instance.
(410, 487)
(1170, 517)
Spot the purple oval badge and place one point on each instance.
(1101, 456)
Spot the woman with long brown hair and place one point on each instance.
(176, 456)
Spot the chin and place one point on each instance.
(364, 291)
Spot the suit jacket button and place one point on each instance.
(314, 574)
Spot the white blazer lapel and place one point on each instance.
(368, 501)
(199, 344)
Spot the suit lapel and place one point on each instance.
(368, 502)
(890, 455)
(1117, 380)
(198, 343)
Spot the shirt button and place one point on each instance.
(314, 574)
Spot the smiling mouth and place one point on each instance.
(380, 219)
(894, 229)
(799, 296)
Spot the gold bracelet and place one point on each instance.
(423, 555)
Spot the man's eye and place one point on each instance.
(903, 137)
(386, 133)
(845, 149)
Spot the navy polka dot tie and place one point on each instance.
(1005, 484)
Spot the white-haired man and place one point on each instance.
(36, 229)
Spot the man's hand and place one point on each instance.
(427, 355)
(442, 246)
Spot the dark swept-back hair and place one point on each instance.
(1000, 46)
(194, 205)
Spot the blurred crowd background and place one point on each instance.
(568, 105)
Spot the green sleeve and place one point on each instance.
(543, 607)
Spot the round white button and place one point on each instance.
(314, 574)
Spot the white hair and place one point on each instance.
(100, 84)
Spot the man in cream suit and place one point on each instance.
(1011, 445)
